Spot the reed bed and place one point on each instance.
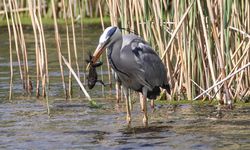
(204, 44)
(201, 43)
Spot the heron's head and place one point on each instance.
(109, 36)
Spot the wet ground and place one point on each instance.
(74, 124)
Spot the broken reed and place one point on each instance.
(197, 45)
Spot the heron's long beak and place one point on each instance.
(98, 52)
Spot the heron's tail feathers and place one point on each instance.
(154, 93)
(167, 87)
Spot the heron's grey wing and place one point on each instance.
(153, 67)
(145, 63)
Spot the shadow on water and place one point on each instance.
(140, 130)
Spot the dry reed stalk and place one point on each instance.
(58, 46)
(16, 43)
(31, 11)
(109, 71)
(10, 51)
(23, 50)
(76, 77)
(81, 4)
(68, 48)
(209, 55)
(46, 74)
(74, 38)
(41, 52)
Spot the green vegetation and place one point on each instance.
(25, 20)
(237, 103)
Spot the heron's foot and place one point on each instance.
(145, 121)
(128, 120)
(142, 109)
(230, 106)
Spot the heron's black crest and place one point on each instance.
(111, 31)
(130, 31)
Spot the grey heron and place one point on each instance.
(136, 64)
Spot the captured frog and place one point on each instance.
(92, 76)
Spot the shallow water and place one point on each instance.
(74, 124)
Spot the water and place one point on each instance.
(74, 124)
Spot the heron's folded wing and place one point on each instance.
(144, 63)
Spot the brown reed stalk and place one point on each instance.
(58, 46)
(74, 39)
(81, 9)
(109, 72)
(76, 77)
(40, 48)
(10, 51)
(36, 48)
(23, 50)
(46, 74)
(16, 43)
(68, 47)
(209, 55)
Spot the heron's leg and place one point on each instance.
(141, 101)
(145, 115)
(127, 106)
(118, 91)
(144, 108)
(152, 104)
(130, 100)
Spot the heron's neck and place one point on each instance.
(114, 52)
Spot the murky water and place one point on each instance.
(74, 124)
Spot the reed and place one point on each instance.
(23, 48)
(68, 47)
(10, 51)
(74, 39)
(58, 46)
(195, 42)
